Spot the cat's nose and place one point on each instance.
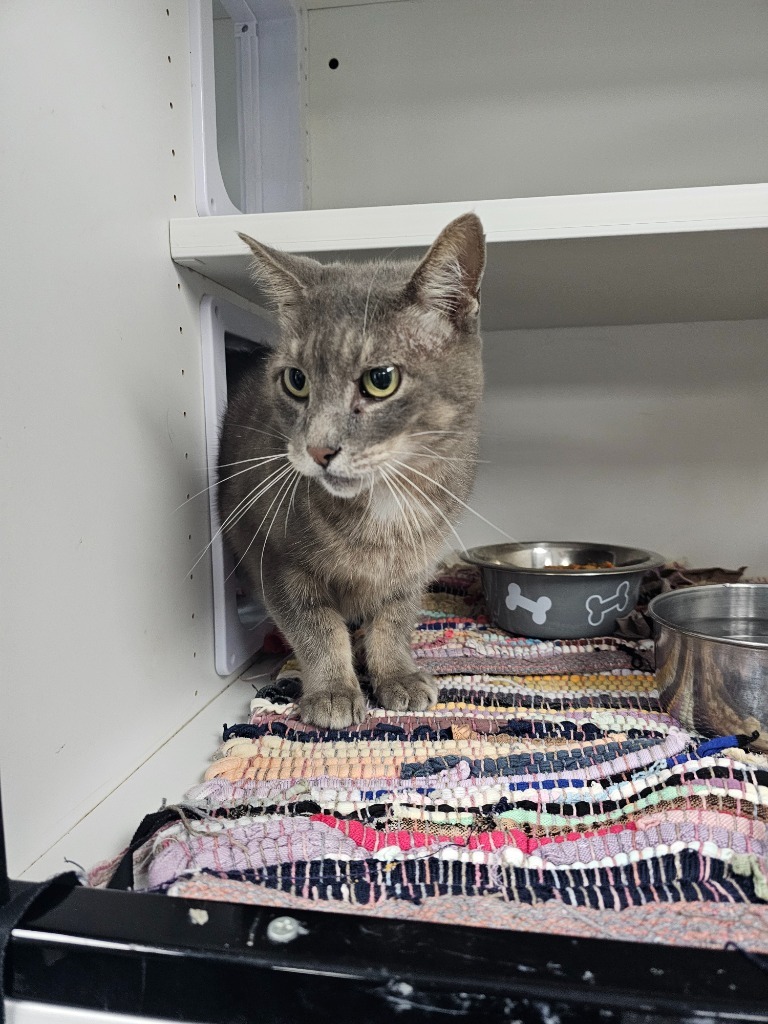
(323, 456)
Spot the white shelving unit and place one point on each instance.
(614, 150)
(615, 154)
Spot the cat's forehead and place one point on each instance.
(344, 343)
(353, 316)
(365, 278)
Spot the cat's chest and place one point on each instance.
(387, 509)
(385, 539)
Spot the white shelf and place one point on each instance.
(658, 256)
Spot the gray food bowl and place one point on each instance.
(712, 658)
(526, 593)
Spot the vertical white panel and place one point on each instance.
(107, 637)
(245, 67)
(225, 78)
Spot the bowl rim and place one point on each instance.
(649, 559)
(729, 641)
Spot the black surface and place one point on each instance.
(15, 910)
(142, 954)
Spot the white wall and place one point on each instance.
(107, 638)
(649, 435)
(486, 99)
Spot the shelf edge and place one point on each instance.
(708, 208)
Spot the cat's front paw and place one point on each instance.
(333, 707)
(416, 691)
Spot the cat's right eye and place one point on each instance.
(295, 382)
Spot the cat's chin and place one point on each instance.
(342, 486)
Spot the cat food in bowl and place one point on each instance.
(712, 658)
(560, 589)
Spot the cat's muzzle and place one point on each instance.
(341, 486)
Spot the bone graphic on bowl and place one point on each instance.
(538, 608)
(598, 607)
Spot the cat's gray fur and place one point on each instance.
(358, 539)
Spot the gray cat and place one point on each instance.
(348, 455)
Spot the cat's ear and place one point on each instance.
(448, 278)
(284, 276)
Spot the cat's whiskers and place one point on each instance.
(396, 495)
(290, 503)
(420, 510)
(409, 504)
(282, 482)
(242, 507)
(435, 506)
(259, 458)
(423, 433)
(371, 482)
(427, 453)
(260, 430)
(257, 463)
(364, 520)
(375, 460)
(281, 494)
(455, 497)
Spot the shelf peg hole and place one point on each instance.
(333, 63)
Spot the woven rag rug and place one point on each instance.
(547, 790)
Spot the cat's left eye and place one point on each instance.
(295, 382)
(380, 382)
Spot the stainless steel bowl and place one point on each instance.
(712, 658)
(529, 589)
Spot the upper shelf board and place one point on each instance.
(659, 256)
